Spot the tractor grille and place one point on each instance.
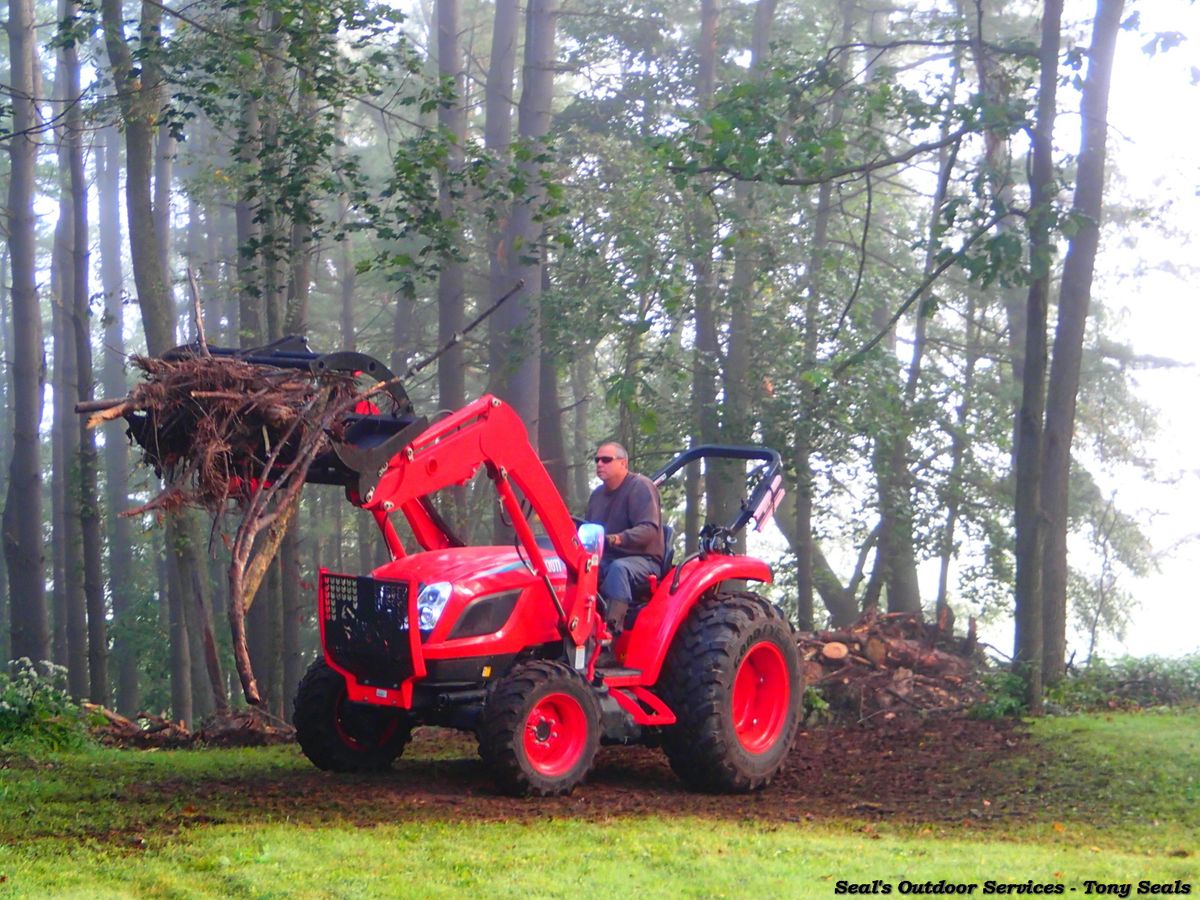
(366, 628)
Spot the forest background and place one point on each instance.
(868, 234)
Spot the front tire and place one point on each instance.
(340, 736)
(540, 730)
(732, 678)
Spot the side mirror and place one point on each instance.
(591, 536)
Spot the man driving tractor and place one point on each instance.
(628, 507)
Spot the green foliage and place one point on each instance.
(1005, 696)
(1129, 683)
(816, 707)
(37, 715)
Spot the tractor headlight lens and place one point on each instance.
(431, 603)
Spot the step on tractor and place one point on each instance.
(504, 641)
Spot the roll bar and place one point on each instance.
(766, 493)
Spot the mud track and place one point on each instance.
(944, 769)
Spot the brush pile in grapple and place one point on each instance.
(208, 425)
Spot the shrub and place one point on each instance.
(36, 712)
(1129, 683)
(1004, 695)
(816, 708)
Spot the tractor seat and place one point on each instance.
(668, 551)
(644, 590)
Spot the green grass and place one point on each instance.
(1132, 779)
(1108, 798)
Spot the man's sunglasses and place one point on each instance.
(606, 459)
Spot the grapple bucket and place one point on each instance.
(361, 441)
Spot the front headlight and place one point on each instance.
(431, 603)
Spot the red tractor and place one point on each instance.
(503, 641)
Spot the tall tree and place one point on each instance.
(518, 321)
(1028, 649)
(452, 121)
(1073, 302)
(706, 353)
(23, 504)
(140, 88)
(5, 451)
(79, 322)
(68, 528)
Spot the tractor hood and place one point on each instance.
(472, 570)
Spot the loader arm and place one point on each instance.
(488, 432)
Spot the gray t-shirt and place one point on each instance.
(632, 511)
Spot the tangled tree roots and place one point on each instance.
(209, 425)
(220, 428)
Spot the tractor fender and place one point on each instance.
(651, 637)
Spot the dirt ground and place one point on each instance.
(942, 769)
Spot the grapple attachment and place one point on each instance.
(255, 425)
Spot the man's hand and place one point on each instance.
(613, 540)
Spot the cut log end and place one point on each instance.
(835, 650)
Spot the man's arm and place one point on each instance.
(642, 535)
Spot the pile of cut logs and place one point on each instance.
(892, 664)
(244, 728)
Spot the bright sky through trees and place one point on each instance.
(1150, 277)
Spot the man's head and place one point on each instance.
(612, 464)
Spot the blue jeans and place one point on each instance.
(619, 575)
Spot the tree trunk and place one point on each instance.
(747, 265)
(497, 137)
(141, 104)
(293, 600)
(5, 449)
(998, 171)
(78, 322)
(1027, 655)
(251, 325)
(86, 632)
(452, 121)
(68, 526)
(551, 442)
(1073, 302)
(896, 560)
(140, 97)
(707, 362)
(164, 169)
(59, 602)
(803, 544)
(294, 612)
(518, 321)
(580, 392)
(180, 655)
(806, 423)
(23, 541)
(116, 454)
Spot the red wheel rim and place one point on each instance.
(354, 742)
(555, 734)
(762, 693)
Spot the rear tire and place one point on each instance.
(540, 730)
(340, 736)
(732, 677)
